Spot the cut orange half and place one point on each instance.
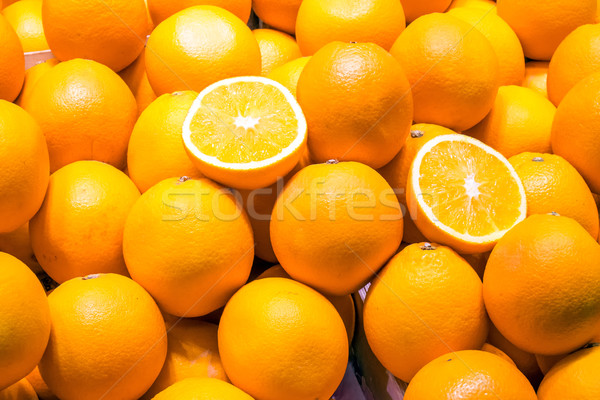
(464, 194)
(245, 132)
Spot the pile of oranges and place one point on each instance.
(191, 209)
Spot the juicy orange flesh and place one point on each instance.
(468, 189)
(244, 122)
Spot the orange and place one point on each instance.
(335, 225)
(469, 374)
(482, 4)
(18, 244)
(541, 25)
(85, 111)
(477, 261)
(453, 317)
(413, 9)
(24, 320)
(547, 362)
(305, 337)
(32, 75)
(108, 339)
(573, 378)
(557, 263)
(192, 352)
(280, 14)
(245, 132)
(202, 389)
(25, 16)
(163, 9)
(156, 151)
(12, 62)
(464, 194)
(536, 74)
(396, 171)
(553, 185)
(21, 390)
(503, 39)
(39, 386)
(276, 49)
(575, 129)
(199, 46)
(520, 120)
(189, 244)
(370, 21)
(79, 228)
(494, 350)
(357, 102)
(288, 74)
(577, 57)
(136, 78)
(23, 167)
(452, 68)
(112, 33)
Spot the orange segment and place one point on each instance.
(245, 132)
(464, 194)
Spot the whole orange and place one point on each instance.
(12, 62)
(79, 228)
(199, 46)
(85, 111)
(108, 339)
(156, 150)
(24, 167)
(280, 14)
(453, 317)
(370, 21)
(112, 32)
(536, 75)
(452, 68)
(189, 243)
(305, 337)
(575, 129)
(357, 103)
(288, 74)
(557, 264)
(163, 9)
(202, 388)
(276, 48)
(25, 16)
(24, 320)
(136, 78)
(469, 374)
(335, 225)
(541, 25)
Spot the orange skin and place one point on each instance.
(25, 16)
(413, 9)
(32, 75)
(494, 350)
(276, 49)
(453, 317)
(557, 263)
(17, 243)
(288, 74)
(199, 46)
(93, 122)
(202, 388)
(136, 78)
(12, 62)
(40, 387)
(21, 390)
(163, 9)
(453, 85)
(280, 14)
(575, 128)
(112, 34)
(536, 74)
(357, 104)
(330, 239)
(320, 22)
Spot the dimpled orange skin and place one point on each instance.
(306, 338)
(108, 339)
(413, 9)
(202, 389)
(189, 244)
(163, 9)
(136, 78)
(368, 21)
(24, 320)
(335, 225)
(79, 228)
(21, 390)
(25, 16)
(32, 75)
(12, 62)
(577, 57)
(276, 48)
(199, 46)
(541, 25)
(494, 350)
(575, 129)
(453, 70)
(469, 374)
(452, 318)
(289, 73)
(536, 75)
(357, 103)
(552, 184)
(557, 264)
(112, 32)
(17, 243)
(280, 14)
(24, 167)
(85, 111)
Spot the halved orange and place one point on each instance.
(245, 132)
(464, 194)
